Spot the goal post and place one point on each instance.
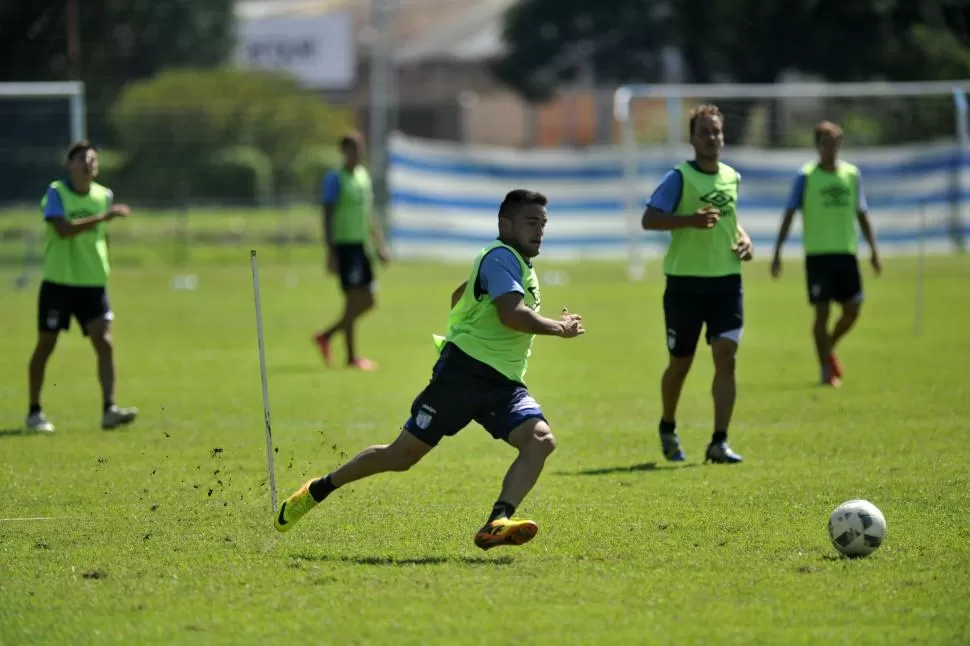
(914, 135)
(73, 91)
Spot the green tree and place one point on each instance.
(120, 41)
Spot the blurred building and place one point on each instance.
(441, 85)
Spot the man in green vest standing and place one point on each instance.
(350, 231)
(830, 196)
(76, 268)
(479, 375)
(697, 202)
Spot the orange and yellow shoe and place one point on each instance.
(363, 364)
(294, 508)
(505, 531)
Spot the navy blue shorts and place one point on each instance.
(354, 266)
(833, 277)
(57, 303)
(692, 303)
(462, 390)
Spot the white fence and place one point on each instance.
(444, 197)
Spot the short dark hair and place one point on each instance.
(518, 198)
(706, 110)
(352, 137)
(80, 148)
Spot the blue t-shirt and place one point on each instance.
(500, 273)
(666, 196)
(54, 208)
(798, 194)
(331, 188)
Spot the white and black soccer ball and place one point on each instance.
(857, 528)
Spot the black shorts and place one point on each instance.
(462, 390)
(691, 303)
(354, 266)
(57, 303)
(833, 277)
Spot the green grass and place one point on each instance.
(153, 536)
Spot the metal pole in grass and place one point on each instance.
(920, 259)
(262, 373)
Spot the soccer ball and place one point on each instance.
(857, 528)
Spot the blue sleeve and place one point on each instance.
(797, 193)
(331, 188)
(500, 273)
(863, 205)
(667, 195)
(53, 208)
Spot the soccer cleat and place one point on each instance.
(38, 422)
(670, 443)
(835, 366)
(829, 378)
(363, 364)
(721, 453)
(294, 508)
(324, 344)
(115, 417)
(505, 531)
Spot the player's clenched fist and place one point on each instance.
(572, 324)
(706, 217)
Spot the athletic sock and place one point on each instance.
(668, 427)
(34, 408)
(718, 437)
(321, 488)
(107, 405)
(501, 510)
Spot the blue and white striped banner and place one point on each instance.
(444, 197)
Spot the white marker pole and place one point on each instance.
(920, 258)
(262, 374)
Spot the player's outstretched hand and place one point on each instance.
(776, 267)
(572, 324)
(384, 255)
(706, 217)
(119, 211)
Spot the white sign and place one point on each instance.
(318, 50)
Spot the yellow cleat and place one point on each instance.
(294, 508)
(504, 531)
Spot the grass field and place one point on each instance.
(163, 533)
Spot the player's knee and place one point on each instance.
(102, 342)
(680, 366)
(45, 345)
(399, 459)
(542, 442)
(725, 357)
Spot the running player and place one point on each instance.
(478, 376)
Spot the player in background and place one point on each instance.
(830, 196)
(697, 203)
(350, 231)
(478, 376)
(76, 211)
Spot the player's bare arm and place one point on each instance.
(328, 214)
(69, 228)
(867, 232)
(458, 293)
(786, 222)
(704, 218)
(515, 314)
(744, 247)
(378, 236)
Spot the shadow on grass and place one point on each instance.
(633, 468)
(8, 432)
(297, 369)
(401, 562)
